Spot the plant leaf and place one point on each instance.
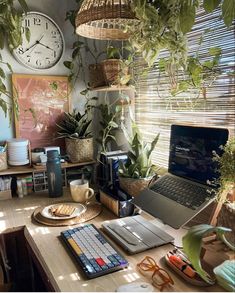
(187, 16)
(215, 51)
(153, 144)
(210, 5)
(192, 243)
(228, 11)
(23, 5)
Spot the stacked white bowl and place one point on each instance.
(17, 151)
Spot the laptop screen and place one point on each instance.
(191, 151)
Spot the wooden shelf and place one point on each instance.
(113, 88)
(29, 169)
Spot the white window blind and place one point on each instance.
(155, 111)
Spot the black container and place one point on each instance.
(119, 202)
(54, 174)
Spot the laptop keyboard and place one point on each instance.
(183, 192)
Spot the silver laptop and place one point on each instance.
(135, 234)
(184, 191)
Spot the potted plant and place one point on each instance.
(138, 171)
(116, 67)
(75, 128)
(226, 169)
(226, 192)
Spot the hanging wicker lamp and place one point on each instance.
(104, 19)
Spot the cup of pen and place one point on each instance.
(80, 191)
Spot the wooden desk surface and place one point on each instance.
(62, 271)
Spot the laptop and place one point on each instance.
(184, 191)
(135, 234)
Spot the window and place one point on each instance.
(156, 110)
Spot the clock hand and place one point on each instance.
(31, 46)
(36, 43)
(46, 46)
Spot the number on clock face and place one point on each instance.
(46, 44)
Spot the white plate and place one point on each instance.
(80, 208)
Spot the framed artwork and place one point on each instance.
(41, 100)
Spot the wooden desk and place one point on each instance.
(60, 268)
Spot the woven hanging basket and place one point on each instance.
(104, 19)
(79, 150)
(226, 218)
(96, 75)
(113, 70)
(134, 186)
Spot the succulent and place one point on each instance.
(74, 125)
(138, 164)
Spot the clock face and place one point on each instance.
(46, 44)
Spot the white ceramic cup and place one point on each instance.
(80, 191)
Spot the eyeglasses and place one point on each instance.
(160, 277)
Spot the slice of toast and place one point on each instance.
(62, 210)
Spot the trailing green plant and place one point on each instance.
(80, 46)
(164, 24)
(108, 124)
(226, 167)
(76, 125)
(11, 32)
(195, 74)
(192, 243)
(138, 164)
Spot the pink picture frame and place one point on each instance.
(42, 100)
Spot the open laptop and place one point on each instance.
(184, 191)
(135, 234)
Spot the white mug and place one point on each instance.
(80, 190)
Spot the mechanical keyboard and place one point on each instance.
(92, 251)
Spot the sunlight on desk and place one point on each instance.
(131, 277)
(30, 208)
(1, 214)
(75, 277)
(61, 278)
(2, 225)
(42, 230)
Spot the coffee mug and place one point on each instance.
(80, 190)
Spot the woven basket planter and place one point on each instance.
(226, 218)
(96, 75)
(134, 186)
(113, 70)
(79, 150)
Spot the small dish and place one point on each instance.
(197, 280)
(79, 209)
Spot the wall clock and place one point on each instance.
(46, 44)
